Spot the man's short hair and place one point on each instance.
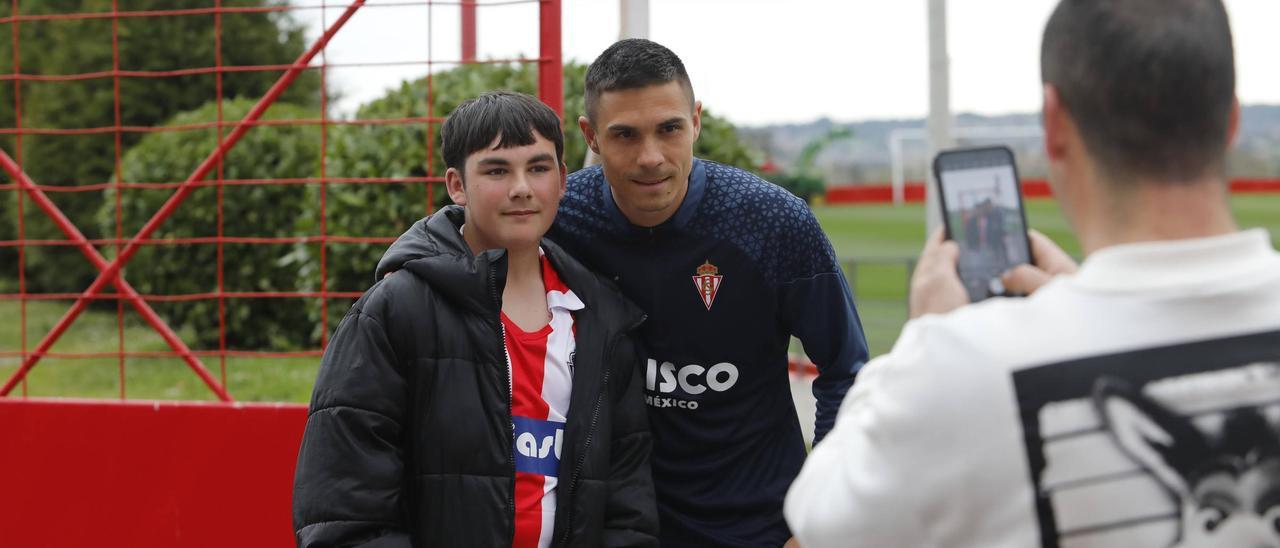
(1150, 83)
(511, 116)
(632, 64)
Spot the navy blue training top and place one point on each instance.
(740, 268)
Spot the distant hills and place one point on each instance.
(865, 158)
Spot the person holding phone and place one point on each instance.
(1130, 402)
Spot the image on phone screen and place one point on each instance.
(983, 212)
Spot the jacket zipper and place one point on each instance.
(506, 353)
(595, 417)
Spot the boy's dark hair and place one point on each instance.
(514, 116)
(1150, 83)
(631, 64)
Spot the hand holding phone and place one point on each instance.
(935, 288)
(982, 212)
(1050, 260)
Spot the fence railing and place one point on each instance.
(43, 228)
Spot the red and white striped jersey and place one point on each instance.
(541, 367)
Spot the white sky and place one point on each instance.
(769, 61)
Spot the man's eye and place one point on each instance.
(496, 171)
(622, 134)
(539, 169)
(671, 128)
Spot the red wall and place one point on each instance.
(147, 474)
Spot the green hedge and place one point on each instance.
(248, 211)
(148, 43)
(807, 187)
(357, 210)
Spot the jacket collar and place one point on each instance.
(1176, 264)
(433, 249)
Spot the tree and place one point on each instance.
(61, 47)
(804, 180)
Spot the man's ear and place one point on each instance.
(564, 179)
(588, 133)
(697, 119)
(457, 190)
(1233, 123)
(1057, 125)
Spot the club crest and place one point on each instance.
(707, 281)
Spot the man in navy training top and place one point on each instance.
(728, 267)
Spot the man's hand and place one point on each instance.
(935, 285)
(1050, 260)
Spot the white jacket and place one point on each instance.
(1121, 406)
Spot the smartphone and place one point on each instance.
(982, 212)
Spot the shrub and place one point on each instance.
(248, 211)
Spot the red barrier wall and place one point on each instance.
(147, 474)
(1031, 188)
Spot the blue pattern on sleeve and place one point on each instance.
(772, 226)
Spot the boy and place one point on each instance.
(489, 395)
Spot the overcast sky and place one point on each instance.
(773, 61)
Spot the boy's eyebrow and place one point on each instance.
(544, 157)
(493, 161)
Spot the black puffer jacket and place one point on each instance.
(409, 438)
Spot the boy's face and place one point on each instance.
(510, 194)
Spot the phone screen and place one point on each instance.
(983, 212)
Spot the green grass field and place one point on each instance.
(248, 379)
(876, 243)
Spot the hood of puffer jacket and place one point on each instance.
(433, 249)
